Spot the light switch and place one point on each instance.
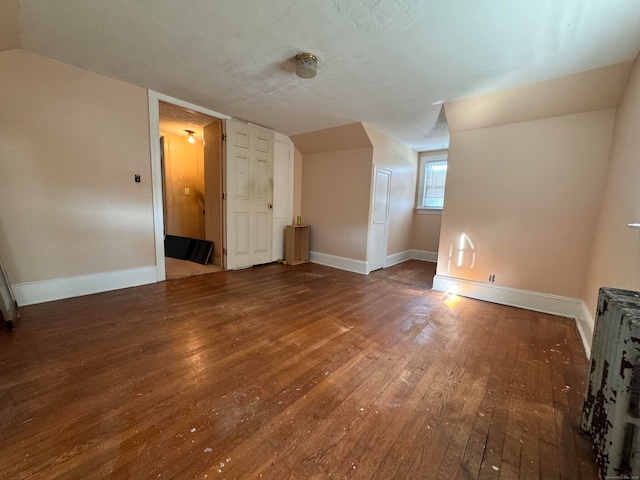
(186, 190)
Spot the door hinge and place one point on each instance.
(224, 137)
(224, 251)
(224, 196)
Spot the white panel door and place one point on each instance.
(282, 192)
(379, 218)
(249, 195)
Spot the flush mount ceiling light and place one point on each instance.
(306, 65)
(190, 136)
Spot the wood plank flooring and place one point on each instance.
(282, 372)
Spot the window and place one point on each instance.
(433, 174)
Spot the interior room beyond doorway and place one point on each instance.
(192, 185)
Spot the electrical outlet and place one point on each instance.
(186, 190)
(492, 278)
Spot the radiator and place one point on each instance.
(8, 305)
(611, 414)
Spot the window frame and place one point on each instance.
(426, 158)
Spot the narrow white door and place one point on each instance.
(249, 195)
(379, 218)
(282, 192)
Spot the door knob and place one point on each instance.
(271, 206)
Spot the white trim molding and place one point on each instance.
(586, 324)
(536, 301)
(424, 255)
(396, 258)
(342, 263)
(360, 266)
(30, 293)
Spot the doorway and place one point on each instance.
(217, 231)
(192, 178)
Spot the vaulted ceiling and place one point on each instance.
(389, 63)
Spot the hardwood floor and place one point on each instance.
(175, 268)
(282, 372)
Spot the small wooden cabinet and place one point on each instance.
(296, 248)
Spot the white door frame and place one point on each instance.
(280, 222)
(156, 167)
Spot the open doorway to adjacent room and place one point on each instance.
(191, 158)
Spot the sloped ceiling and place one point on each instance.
(345, 137)
(581, 92)
(176, 120)
(383, 62)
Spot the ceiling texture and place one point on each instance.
(176, 121)
(388, 63)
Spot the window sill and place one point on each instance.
(429, 211)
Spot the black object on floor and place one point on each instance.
(184, 248)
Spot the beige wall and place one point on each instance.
(526, 195)
(335, 201)
(336, 189)
(425, 231)
(184, 168)
(615, 259)
(402, 162)
(9, 25)
(71, 142)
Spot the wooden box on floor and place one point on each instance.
(297, 244)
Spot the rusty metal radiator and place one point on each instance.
(611, 413)
(8, 305)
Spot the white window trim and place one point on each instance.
(424, 159)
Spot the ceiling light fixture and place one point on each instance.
(190, 136)
(306, 65)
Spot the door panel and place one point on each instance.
(242, 233)
(249, 195)
(242, 177)
(380, 197)
(241, 139)
(262, 178)
(262, 143)
(262, 230)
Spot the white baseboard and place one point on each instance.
(536, 301)
(359, 266)
(30, 293)
(343, 263)
(396, 258)
(424, 255)
(586, 324)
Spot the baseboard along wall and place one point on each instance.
(30, 293)
(536, 301)
(360, 266)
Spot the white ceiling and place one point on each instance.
(176, 120)
(383, 62)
